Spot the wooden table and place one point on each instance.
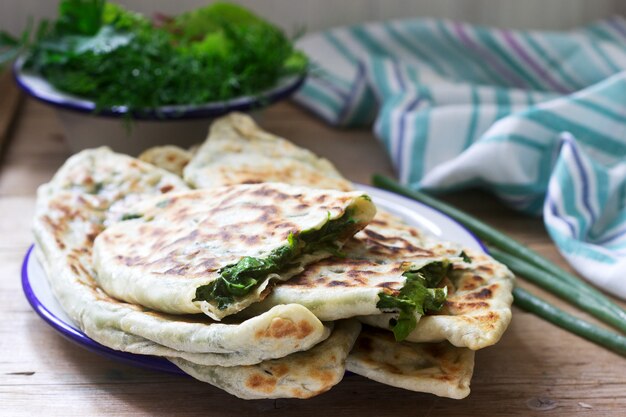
(536, 365)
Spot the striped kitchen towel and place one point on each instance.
(538, 118)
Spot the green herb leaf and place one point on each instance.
(9, 47)
(114, 57)
(122, 19)
(466, 258)
(6, 40)
(416, 297)
(103, 42)
(237, 280)
(80, 17)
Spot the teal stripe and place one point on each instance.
(426, 94)
(619, 207)
(503, 101)
(530, 98)
(600, 32)
(600, 51)
(569, 196)
(539, 186)
(583, 134)
(390, 103)
(547, 162)
(333, 78)
(542, 96)
(329, 90)
(418, 143)
(620, 244)
(573, 52)
(412, 47)
(320, 97)
(437, 51)
(502, 191)
(601, 182)
(413, 74)
(611, 89)
(603, 110)
(554, 65)
(513, 190)
(577, 248)
(494, 48)
(488, 74)
(615, 224)
(471, 130)
(381, 126)
(340, 47)
(382, 78)
(601, 198)
(383, 122)
(465, 64)
(518, 139)
(365, 111)
(367, 41)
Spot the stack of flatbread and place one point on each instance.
(253, 265)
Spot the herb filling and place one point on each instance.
(466, 257)
(418, 295)
(238, 279)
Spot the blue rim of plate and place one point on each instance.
(74, 335)
(285, 88)
(148, 361)
(429, 208)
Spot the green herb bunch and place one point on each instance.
(115, 57)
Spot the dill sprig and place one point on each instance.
(113, 57)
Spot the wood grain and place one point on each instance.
(10, 99)
(41, 373)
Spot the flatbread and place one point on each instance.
(110, 182)
(170, 158)
(475, 315)
(299, 375)
(435, 368)
(477, 310)
(464, 322)
(181, 243)
(70, 213)
(373, 262)
(237, 151)
(255, 358)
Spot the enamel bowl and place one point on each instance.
(179, 125)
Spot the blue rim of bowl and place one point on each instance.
(285, 88)
(148, 361)
(74, 335)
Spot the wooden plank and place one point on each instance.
(41, 373)
(10, 99)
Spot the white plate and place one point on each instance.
(39, 294)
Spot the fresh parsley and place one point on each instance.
(100, 51)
